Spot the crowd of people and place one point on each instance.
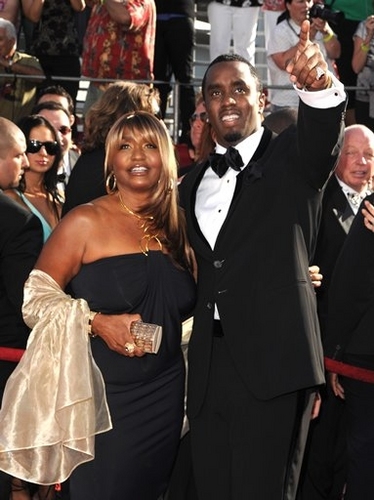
(256, 237)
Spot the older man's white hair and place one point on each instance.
(9, 28)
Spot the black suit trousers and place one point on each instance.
(243, 447)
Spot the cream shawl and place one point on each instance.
(54, 402)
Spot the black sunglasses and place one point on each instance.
(34, 146)
(201, 116)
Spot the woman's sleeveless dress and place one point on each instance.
(145, 395)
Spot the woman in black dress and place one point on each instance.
(127, 256)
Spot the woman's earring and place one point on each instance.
(111, 183)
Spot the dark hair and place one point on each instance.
(27, 124)
(232, 58)
(50, 106)
(57, 90)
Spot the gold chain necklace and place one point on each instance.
(144, 223)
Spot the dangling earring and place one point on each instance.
(111, 183)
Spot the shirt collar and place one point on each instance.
(246, 147)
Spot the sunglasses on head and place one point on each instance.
(199, 116)
(64, 129)
(34, 146)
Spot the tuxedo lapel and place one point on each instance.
(341, 207)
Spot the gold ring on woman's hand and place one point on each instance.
(129, 347)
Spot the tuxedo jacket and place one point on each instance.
(257, 273)
(351, 295)
(336, 221)
(21, 239)
(86, 181)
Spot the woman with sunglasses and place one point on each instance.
(38, 188)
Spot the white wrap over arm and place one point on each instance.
(54, 402)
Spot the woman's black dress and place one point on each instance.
(145, 395)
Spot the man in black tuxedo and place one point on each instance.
(349, 348)
(324, 466)
(255, 356)
(21, 239)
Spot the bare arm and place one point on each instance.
(78, 5)
(361, 46)
(32, 9)
(330, 41)
(118, 12)
(281, 59)
(64, 253)
(22, 69)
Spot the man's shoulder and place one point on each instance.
(12, 212)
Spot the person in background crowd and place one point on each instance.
(59, 117)
(87, 181)
(126, 258)
(21, 240)
(363, 66)
(283, 45)
(354, 12)
(175, 39)
(236, 19)
(17, 95)
(55, 39)
(118, 44)
(37, 190)
(349, 349)
(277, 121)
(325, 463)
(255, 355)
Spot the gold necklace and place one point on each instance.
(144, 223)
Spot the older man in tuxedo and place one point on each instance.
(325, 464)
(21, 239)
(255, 356)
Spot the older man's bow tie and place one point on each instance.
(221, 163)
(356, 199)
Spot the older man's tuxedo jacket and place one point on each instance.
(351, 295)
(336, 221)
(257, 273)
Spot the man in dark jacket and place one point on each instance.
(21, 240)
(255, 355)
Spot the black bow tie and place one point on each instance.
(221, 163)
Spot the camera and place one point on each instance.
(325, 13)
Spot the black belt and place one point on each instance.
(217, 329)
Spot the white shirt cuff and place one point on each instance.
(323, 99)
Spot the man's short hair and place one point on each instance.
(233, 58)
(57, 90)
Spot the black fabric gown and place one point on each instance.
(145, 395)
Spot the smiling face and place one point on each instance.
(233, 102)
(137, 162)
(41, 161)
(356, 162)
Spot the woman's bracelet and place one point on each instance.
(90, 320)
(365, 47)
(328, 37)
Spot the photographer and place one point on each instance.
(283, 46)
(363, 66)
